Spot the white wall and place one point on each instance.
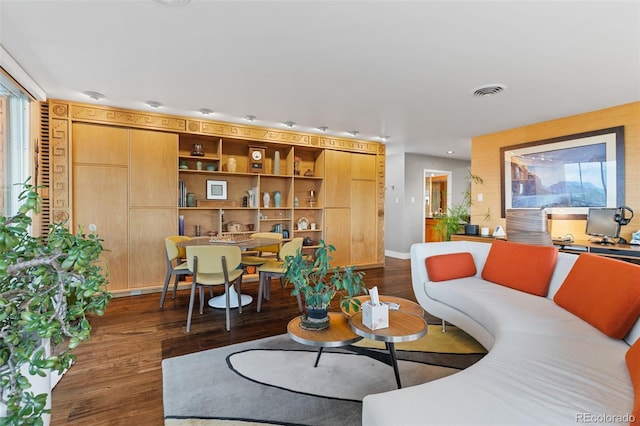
(404, 221)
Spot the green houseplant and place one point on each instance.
(318, 283)
(48, 287)
(459, 214)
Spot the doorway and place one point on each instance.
(436, 202)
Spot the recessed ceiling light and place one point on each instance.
(153, 104)
(96, 96)
(323, 128)
(353, 132)
(250, 117)
(489, 89)
(451, 152)
(289, 123)
(205, 111)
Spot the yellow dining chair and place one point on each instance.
(176, 267)
(214, 265)
(264, 253)
(276, 269)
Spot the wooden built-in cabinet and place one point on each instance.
(131, 170)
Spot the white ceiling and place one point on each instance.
(405, 69)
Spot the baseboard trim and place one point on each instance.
(397, 255)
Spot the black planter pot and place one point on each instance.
(315, 318)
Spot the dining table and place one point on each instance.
(245, 243)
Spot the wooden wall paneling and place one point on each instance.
(99, 144)
(363, 222)
(337, 178)
(100, 192)
(148, 228)
(363, 166)
(485, 160)
(153, 170)
(338, 234)
(100, 198)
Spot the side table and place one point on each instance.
(338, 334)
(403, 327)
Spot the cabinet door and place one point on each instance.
(363, 166)
(100, 198)
(148, 228)
(98, 144)
(153, 168)
(338, 234)
(364, 235)
(337, 179)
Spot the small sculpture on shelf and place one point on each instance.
(183, 165)
(308, 173)
(197, 150)
(296, 166)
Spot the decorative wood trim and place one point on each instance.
(140, 119)
(60, 192)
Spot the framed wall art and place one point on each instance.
(216, 189)
(565, 175)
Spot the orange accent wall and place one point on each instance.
(485, 162)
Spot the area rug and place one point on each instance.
(273, 381)
(454, 341)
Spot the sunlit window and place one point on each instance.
(14, 143)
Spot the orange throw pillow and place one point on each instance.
(522, 267)
(604, 292)
(450, 266)
(633, 365)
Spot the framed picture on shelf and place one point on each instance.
(216, 189)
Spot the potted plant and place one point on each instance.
(317, 282)
(48, 287)
(458, 215)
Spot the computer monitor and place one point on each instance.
(601, 223)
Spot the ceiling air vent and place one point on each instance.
(488, 90)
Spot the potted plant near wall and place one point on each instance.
(48, 288)
(318, 283)
(458, 215)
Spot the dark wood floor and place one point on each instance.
(117, 378)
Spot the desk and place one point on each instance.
(626, 252)
(219, 302)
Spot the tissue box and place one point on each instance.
(375, 317)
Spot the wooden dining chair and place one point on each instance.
(276, 269)
(211, 266)
(176, 267)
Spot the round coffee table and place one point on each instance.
(338, 334)
(403, 327)
(394, 302)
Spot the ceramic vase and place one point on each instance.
(276, 163)
(265, 199)
(231, 164)
(277, 198)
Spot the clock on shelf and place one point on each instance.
(256, 159)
